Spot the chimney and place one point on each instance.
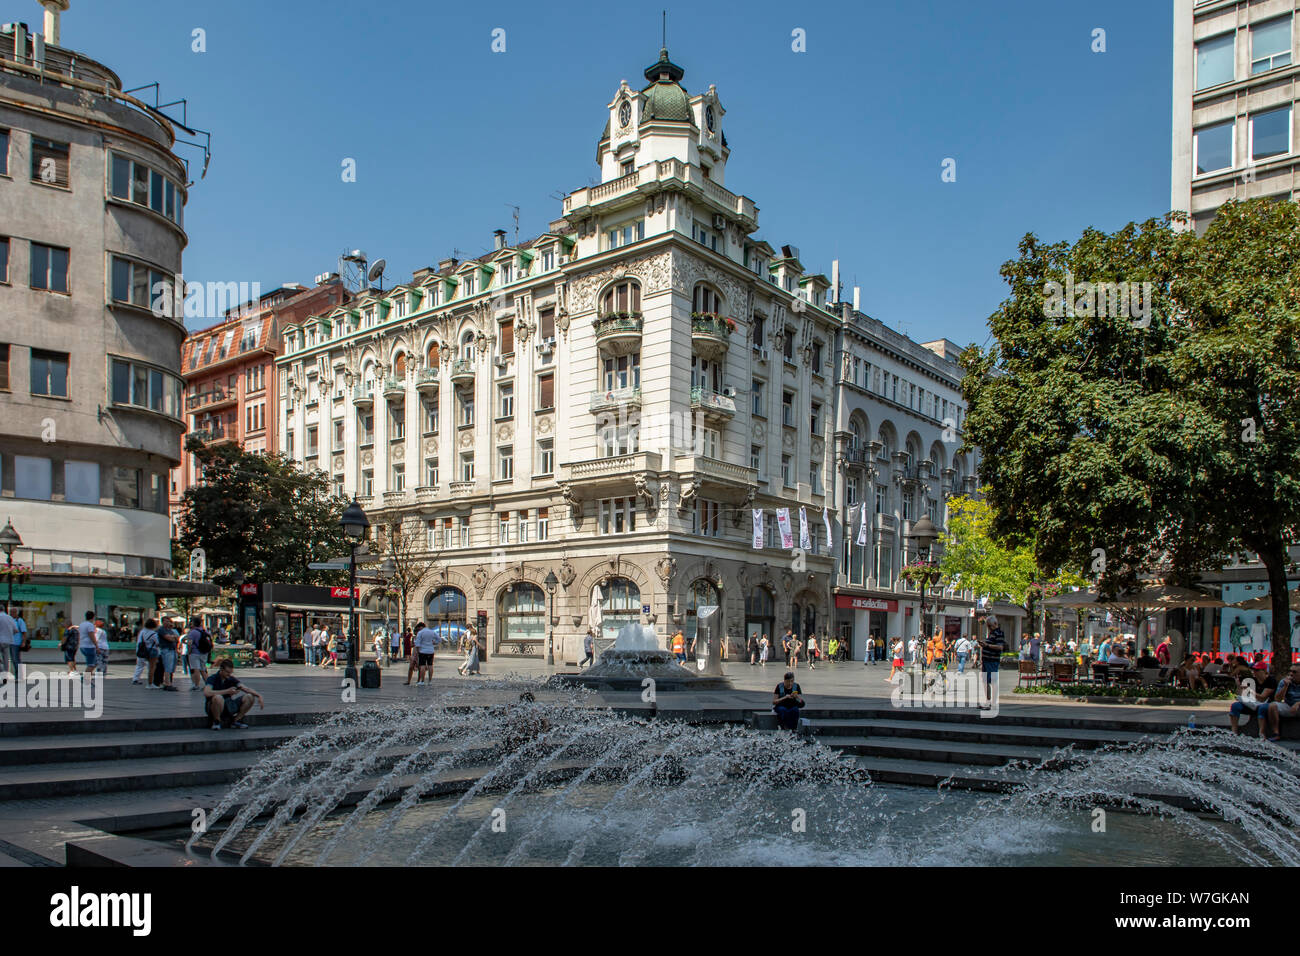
(52, 10)
(499, 239)
(857, 299)
(835, 280)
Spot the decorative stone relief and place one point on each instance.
(574, 503)
(817, 449)
(758, 431)
(787, 582)
(505, 432)
(338, 463)
(480, 578)
(567, 574)
(788, 440)
(367, 458)
(399, 452)
(688, 494)
(665, 567)
(467, 439)
(544, 424)
(431, 446)
(653, 271)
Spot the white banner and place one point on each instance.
(805, 541)
(783, 522)
(862, 525)
(758, 528)
(826, 520)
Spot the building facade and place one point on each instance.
(1234, 103)
(93, 198)
(229, 374)
(635, 400)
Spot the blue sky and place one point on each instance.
(840, 146)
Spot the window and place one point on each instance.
(138, 183)
(396, 422)
(788, 347)
(506, 340)
(138, 285)
(449, 534)
(543, 524)
(756, 457)
(366, 426)
(33, 477)
(503, 527)
(1270, 45)
(313, 444)
(548, 260)
(705, 237)
(705, 374)
(431, 472)
(623, 371)
(706, 300)
(4, 259)
(884, 566)
(787, 408)
(627, 233)
(1270, 133)
(756, 397)
(126, 487)
(288, 443)
(467, 347)
(546, 456)
(816, 417)
(49, 268)
(521, 527)
(144, 387)
(621, 297)
(546, 318)
(882, 499)
(909, 506)
(430, 409)
(399, 306)
(505, 462)
(50, 162)
(433, 536)
(4, 152)
(49, 373)
(4, 368)
(338, 435)
(368, 318)
(625, 167)
(545, 391)
(817, 358)
(1214, 61)
(619, 440)
(398, 482)
(368, 482)
(706, 441)
(467, 466)
(851, 493)
(758, 323)
(81, 482)
(707, 518)
(617, 515)
(466, 410)
(787, 476)
(506, 400)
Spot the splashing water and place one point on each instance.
(480, 775)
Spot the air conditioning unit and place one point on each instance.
(762, 354)
(501, 361)
(546, 347)
(729, 391)
(719, 221)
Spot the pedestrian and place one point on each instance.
(812, 652)
(991, 649)
(146, 650)
(786, 640)
(764, 649)
(101, 648)
(679, 647)
(833, 648)
(332, 649)
(426, 643)
(588, 648)
(470, 664)
(309, 645)
(792, 655)
(168, 644)
(394, 643)
(897, 660)
(7, 630)
(964, 647)
(21, 642)
(86, 642)
(198, 645)
(870, 656)
(183, 652)
(753, 648)
(71, 638)
(407, 638)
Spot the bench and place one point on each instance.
(1288, 727)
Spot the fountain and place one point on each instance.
(509, 772)
(638, 654)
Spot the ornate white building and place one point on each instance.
(609, 401)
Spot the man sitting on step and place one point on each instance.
(1285, 702)
(226, 699)
(787, 701)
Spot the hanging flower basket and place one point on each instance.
(921, 574)
(16, 574)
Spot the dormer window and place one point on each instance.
(625, 167)
(548, 258)
(506, 273)
(399, 306)
(467, 284)
(369, 318)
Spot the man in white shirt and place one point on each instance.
(101, 648)
(86, 641)
(964, 647)
(426, 643)
(7, 630)
(911, 651)
(870, 657)
(309, 645)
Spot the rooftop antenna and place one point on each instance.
(664, 45)
(516, 211)
(352, 267)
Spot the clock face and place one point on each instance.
(708, 117)
(624, 113)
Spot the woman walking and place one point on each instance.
(764, 648)
(470, 664)
(897, 661)
(812, 652)
(333, 649)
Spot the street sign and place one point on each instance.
(328, 566)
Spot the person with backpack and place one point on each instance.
(168, 640)
(146, 650)
(200, 646)
(71, 637)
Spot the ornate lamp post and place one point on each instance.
(924, 533)
(237, 579)
(551, 582)
(355, 525)
(10, 541)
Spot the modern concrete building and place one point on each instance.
(611, 402)
(1234, 103)
(93, 199)
(229, 373)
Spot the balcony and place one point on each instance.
(426, 493)
(394, 499)
(426, 380)
(598, 475)
(616, 400)
(394, 388)
(461, 489)
(211, 432)
(715, 470)
(885, 522)
(629, 189)
(711, 335)
(618, 333)
(717, 409)
(213, 397)
(462, 372)
(363, 396)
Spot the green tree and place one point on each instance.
(261, 515)
(1152, 423)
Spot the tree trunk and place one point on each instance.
(1274, 559)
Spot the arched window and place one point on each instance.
(621, 297)
(760, 603)
(399, 365)
(368, 376)
(467, 346)
(620, 605)
(706, 300)
(434, 355)
(447, 604)
(703, 593)
(855, 439)
(522, 612)
(886, 439)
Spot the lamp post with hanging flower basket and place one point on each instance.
(10, 542)
(922, 572)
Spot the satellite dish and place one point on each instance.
(376, 273)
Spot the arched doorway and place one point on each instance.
(521, 620)
(803, 615)
(702, 593)
(621, 606)
(760, 614)
(446, 611)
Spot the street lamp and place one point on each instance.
(924, 533)
(355, 525)
(10, 541)
(237, 579)
(551, 582)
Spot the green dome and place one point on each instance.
(665, 97)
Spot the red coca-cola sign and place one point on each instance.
(345, 592)
(248, 590)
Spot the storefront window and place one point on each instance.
(621, 606)
(523, 613)
(702, 594)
